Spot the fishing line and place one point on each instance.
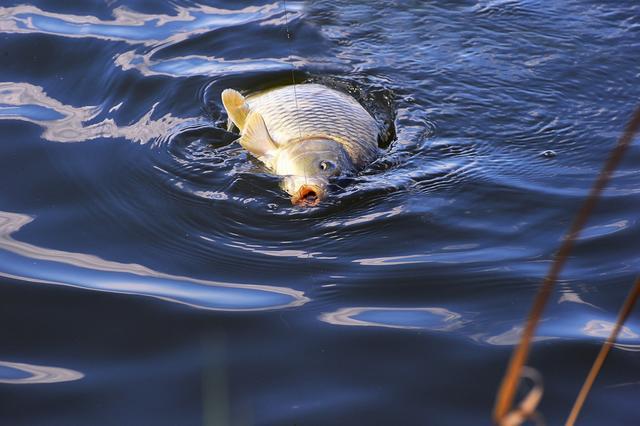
(293, 76)
(293, 66)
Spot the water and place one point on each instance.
(153, 273)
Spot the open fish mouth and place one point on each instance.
(307, 195)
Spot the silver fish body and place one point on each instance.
(305, 132)
(306, 111)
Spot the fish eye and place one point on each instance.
(327, 165)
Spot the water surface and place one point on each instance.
(153, 272)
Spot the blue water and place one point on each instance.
(151, 272)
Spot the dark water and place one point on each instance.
(153, 273)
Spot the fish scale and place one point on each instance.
(315, 111)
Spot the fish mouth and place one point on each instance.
(307, 195)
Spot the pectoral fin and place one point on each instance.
(255, 137)
(236, 107)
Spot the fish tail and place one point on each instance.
(236, 107)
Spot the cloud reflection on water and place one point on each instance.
(157, 32)
(17, 373)
(24, 261)
(195, 65)
(435, 319)
(582, 326)
(577, 326)
(65, 123)
(134, 27)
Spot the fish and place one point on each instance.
(307, 133)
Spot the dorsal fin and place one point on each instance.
(255, 136)
(236, 107)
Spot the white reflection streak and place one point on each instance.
(12, 222)
(369, 217)
(599, 328)
(19, 19)
(345, 316)
(39, 374)
(511, 253)
(573, 297)
(509, 337)
(594, 328)
(598, 231)
(184, 66)
(301, 254)
(157, 31)
(70, 127)
(394, 260)
(602, 329)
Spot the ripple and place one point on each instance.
(17, 373)
(277, 251)
(598, 231)
(365, 218)
(461, 256)
(202, 161)
(433, 319)
(580, 326)
(196, 65)
(91, 272)
(134, 27)
(602, 329)
(510, 337)
(65, 123)
(159, 32)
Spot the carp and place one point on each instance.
(307, 133)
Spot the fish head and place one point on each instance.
(308, 166)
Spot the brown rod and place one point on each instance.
(604, 351)
(507, 390)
